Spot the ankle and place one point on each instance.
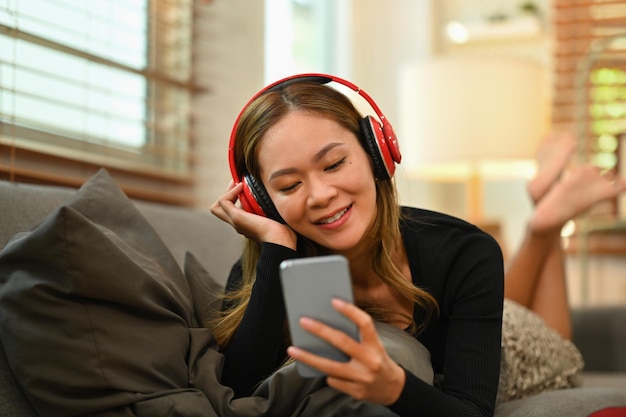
(545, 225)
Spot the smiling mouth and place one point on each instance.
(334, 218)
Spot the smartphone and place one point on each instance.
(308, 285)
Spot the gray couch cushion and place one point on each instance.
(566, 402)
(95, 311)
(182, 230)
(600, 334)
(23, 205)
(214, 242)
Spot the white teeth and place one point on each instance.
(334, 218)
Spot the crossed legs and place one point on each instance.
(535, 277)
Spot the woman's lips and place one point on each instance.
(334, 217)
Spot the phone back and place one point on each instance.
(309, 284)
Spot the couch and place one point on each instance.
(599, 332)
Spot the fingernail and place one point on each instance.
(338, 302)
(306, 322)
(293, 351)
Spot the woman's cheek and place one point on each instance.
(290, 208)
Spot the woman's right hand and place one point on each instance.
(252, 226)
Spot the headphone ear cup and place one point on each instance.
(256, 200)
(376, 147)
(247, 199)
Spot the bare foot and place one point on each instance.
(552, 156)
(572, 195)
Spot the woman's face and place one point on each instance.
(320, 179)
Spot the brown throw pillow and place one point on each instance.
(94, 310)
(535, 358)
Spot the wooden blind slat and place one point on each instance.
(37, 167)
(148, 151)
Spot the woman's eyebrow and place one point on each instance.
(316, 158)
(285, 171)
(322, 152)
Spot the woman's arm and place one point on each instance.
(257, 347)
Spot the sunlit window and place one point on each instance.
(608, 114)
(46, 89)
(304, 36)
(104, 82)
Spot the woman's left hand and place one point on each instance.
(370, 374)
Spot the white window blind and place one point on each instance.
(99, 83)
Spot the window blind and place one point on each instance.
(590, 95)
(590, 76)
(102, 83)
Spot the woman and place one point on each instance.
(538, 353)
(535, 277)
(323, 191)
(414, 269)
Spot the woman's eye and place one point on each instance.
(289, 188)
(336, 165)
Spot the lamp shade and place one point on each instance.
(462, 114)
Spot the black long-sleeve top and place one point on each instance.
(460, 265)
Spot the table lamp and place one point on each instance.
(471, 119)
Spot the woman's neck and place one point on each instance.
(362, 267)
(377, 297)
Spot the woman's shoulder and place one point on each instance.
(420, 218)
(433, 228)
(441, 248)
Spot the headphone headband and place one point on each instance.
(379, 140)
(320, 79)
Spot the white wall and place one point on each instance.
(386, 35)
(230, 58)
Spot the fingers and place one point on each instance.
(363, 321)
(370, 374)
(225, 205)
(332, 368)
(226, 209)
(339, 339)
(252, 226)
(359, 350)
(327, 366)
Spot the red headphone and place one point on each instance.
(377, 137)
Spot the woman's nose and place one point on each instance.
(320, 192)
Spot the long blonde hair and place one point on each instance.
(322, 100)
